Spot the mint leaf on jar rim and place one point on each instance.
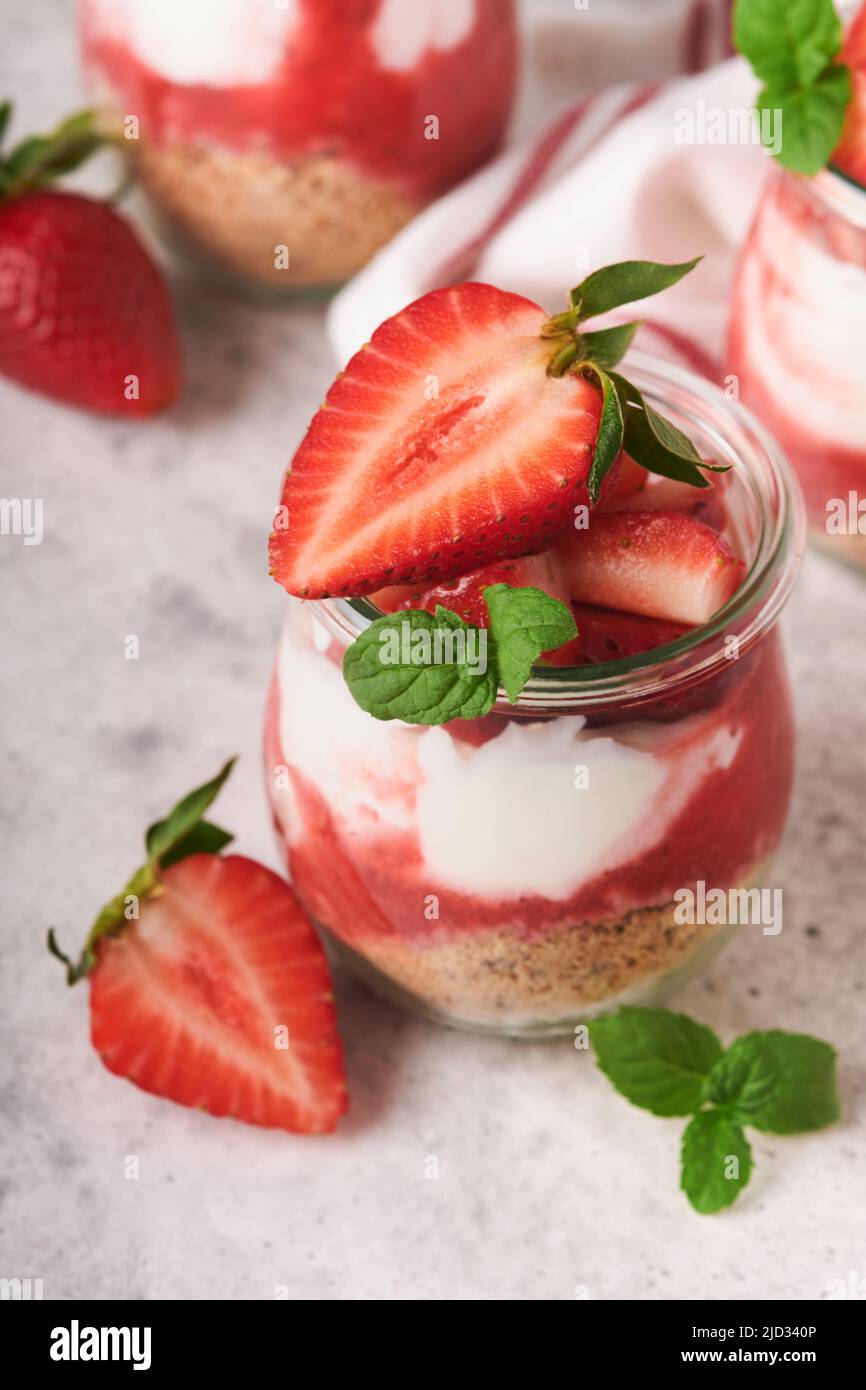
(787, 43)
(715, 1161)
(524, 622)
(658, 1060)
(812, 119)
(793, 47)
(422, 668)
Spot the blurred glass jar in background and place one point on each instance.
(798, 344)
(285, 141)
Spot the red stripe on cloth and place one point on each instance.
(460, 264)
(728, 7)
(696, 356)
(694, 56)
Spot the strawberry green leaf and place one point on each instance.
(623, 283)
(524, 622)
(716, 1161)
(39, 159)
(421, 667)
(204, 838)
(812, 118)
(183, 832)
(609, 440)
(803, 1095)
(166, 834)
(5, 114)
(655, 443)
(656, 1059)
(608, 346)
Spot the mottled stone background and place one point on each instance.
(548, 1181)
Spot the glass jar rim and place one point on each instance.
(835, 192)
(736, 437)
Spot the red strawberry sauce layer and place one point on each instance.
(331, 96)
(366, 882)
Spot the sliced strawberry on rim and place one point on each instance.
(444, 445)
(465, 595)
(217, 994)
(605, 634)
(658, 564)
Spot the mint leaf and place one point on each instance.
(745, 1079)
(608, 346)
(524, 622)
(656, 1059)
(421, 668)
(787, 42)
(716, 1161)
(608, 442)
(182, 832)
(792, 45)
(624, 282)
(805, 1095)
(812, 118)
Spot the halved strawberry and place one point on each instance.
(659, 564)
(217, 995)
(850, 153)
(444, 445)
(605, 634)
(187, 1002)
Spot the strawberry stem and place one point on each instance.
(38, 160)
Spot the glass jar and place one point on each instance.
(798, 344)
(286, 142)
(519, 873)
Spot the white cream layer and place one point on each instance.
(511, 817)
(226, 43)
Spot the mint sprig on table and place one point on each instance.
(627, 421)
(667, 1063)
(793, 47)
(183, 832)
(524, 622)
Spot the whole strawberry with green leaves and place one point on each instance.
(85, 314)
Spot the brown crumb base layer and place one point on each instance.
(502, 982)
(850, 549)
(238, 208)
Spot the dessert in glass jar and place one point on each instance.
(797, 340)
(511, 857)
(286, 142)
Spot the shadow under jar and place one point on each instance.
(285, 143)
(516, 874)
(798, 344)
